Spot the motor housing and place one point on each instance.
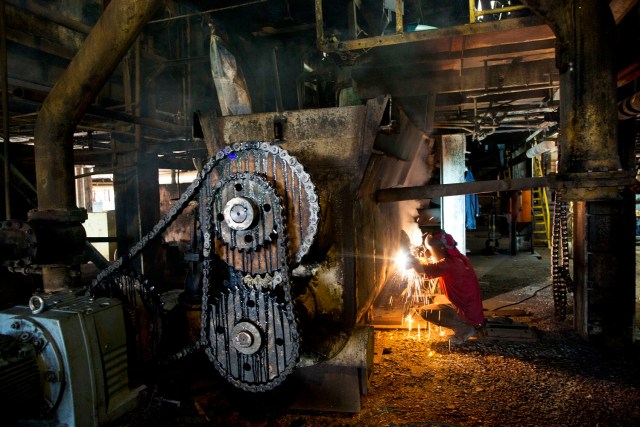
(64, 361)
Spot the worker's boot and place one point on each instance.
(462, 335)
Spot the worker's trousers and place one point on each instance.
(443, 313)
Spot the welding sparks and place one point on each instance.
(408, 320)
(402, 261)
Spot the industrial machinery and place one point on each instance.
(63, 361)
(281, 295)
(258, 215)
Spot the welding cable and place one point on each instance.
(522, 300)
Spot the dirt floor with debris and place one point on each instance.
(421, 380)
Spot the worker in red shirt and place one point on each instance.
(461, 310)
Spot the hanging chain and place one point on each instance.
(560, 278)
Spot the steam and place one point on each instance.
(419, 174)
(409, 221)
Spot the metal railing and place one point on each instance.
(353, 42)
(474, 13)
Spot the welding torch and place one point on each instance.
(408, 256)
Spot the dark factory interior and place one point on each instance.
(228, 184)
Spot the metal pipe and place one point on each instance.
(497, 11)
(541, 148)
(75, 90)
(399, 16)
(5, 111)
(319, 25)
(472, 11)
(279, 105)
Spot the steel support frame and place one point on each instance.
(400, 36)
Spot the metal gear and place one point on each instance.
(249, 326)
(246, 191)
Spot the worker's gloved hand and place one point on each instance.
(415, 264)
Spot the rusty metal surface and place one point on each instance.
(587, 84)
(338, 383)
(18, 243)
(421, 36)
(320, 138)
(335, 145)
(61, 111)
(603, 265)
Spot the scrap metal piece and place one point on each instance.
(508, 332)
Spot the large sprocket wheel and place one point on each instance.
(291, 182)
(259, 215)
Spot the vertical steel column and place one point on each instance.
(319, 25)
(603, 266)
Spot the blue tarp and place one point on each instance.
(472, 209)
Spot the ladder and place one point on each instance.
(540, 210)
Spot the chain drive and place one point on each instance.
(560, 278)
(246, 190)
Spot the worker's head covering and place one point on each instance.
(446, 239)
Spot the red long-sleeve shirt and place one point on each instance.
(460, 285)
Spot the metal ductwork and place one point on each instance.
(73, 93)
(541, 148)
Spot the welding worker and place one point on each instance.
(461, 309)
